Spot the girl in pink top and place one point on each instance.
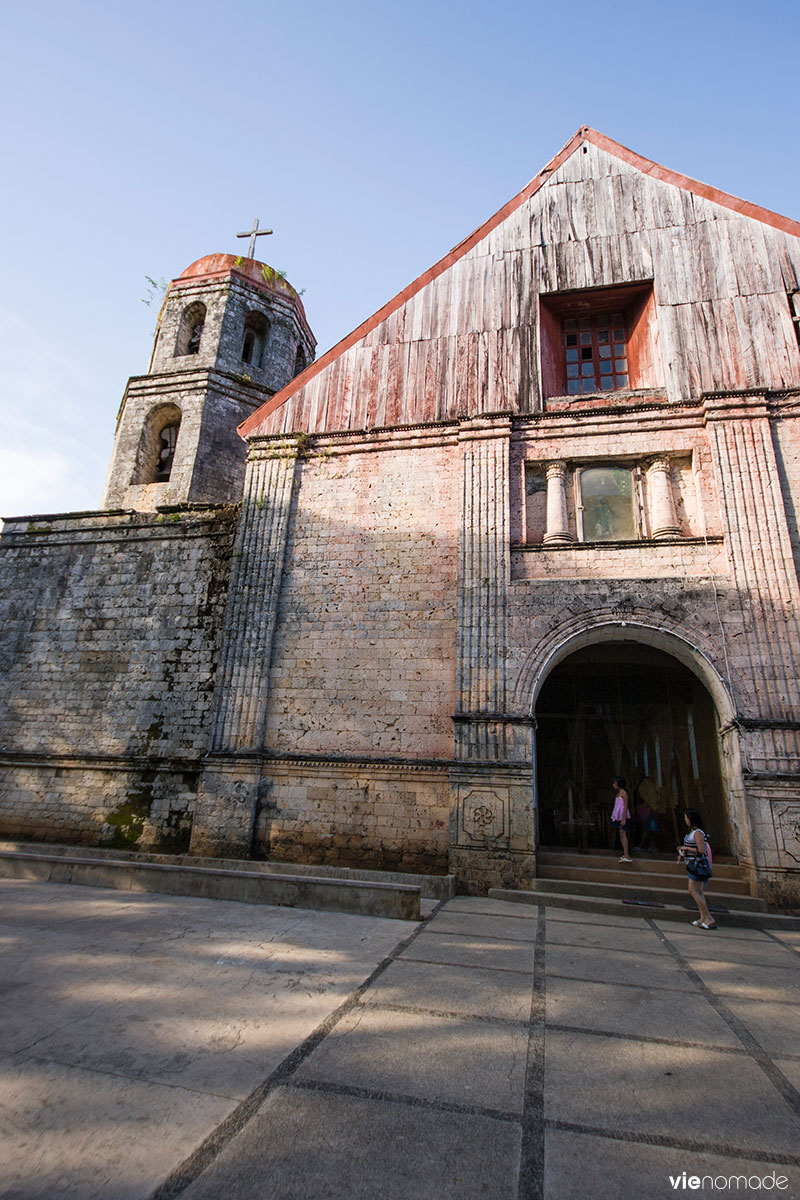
(621, 816)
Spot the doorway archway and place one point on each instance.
(627, 708)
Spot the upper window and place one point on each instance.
(595, 353)
(599, 341)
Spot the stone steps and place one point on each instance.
(650, 885)
(400, 901)
(675, 881)
(666, 864)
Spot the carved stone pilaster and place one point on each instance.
(228, 796)
(484, 573)
(661, 500)
(760, 550)
(557, 529)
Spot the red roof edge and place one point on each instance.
(584, 134)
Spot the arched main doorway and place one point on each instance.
(627, 708)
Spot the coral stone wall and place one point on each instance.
(111, 636)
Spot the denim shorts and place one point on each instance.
(621, 824)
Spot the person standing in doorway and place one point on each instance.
(621, 816)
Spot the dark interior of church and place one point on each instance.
(630, 710)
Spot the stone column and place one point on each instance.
(557, 531)
(661, 501)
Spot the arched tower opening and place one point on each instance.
(157, 445)
(254, 341)
(627, 708)
(190, 329)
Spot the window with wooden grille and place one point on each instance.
(599, 341)
(595, 353)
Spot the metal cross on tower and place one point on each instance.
(254, 233)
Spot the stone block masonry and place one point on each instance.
(108, 677)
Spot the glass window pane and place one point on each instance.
(573, 385)
(602, 335)
(588, 385)
(605, 351)
(622, 381)
(607, 499)
(570, 323)
(572, 355)
(620, 365)
(572, 370)
(607, 383)
(585, 323)
(619, 335)
(605, 367)
(586, 352)
(571, 339)
(586, 339)
(587, 369)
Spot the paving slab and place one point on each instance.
(791, 1069)
(749, 981)
(304, 1144)
(467, 990)
(579, 917)
(632, 937)
(497, 908)
(721, 933)
(462, 950)
(638, 1012)
(619, 1166)
(73, 1134)
(776, 1027)
(614, 966)
(466, 1062)
(761, 951)
(642, 1088)
(508, 929)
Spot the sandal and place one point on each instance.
(703, 925)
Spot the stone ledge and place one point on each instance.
(392, 900)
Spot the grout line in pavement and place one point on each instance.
(642, 987)
(530, 1185)
(384, 1097)
(417, 1010)
(645, 1040)
(722, 1149)
(434, 962)
(753, 1047)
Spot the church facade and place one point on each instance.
(411, 605)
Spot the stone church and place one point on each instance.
(410, 605)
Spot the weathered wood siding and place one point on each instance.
(468, 342)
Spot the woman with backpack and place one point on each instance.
(694, 855)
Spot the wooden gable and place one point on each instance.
(465, 338)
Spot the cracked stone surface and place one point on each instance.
(497, 1052)
(132, 1025)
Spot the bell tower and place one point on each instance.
(232, 332)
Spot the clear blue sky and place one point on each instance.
(371, 137)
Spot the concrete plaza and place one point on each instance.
(155, 1046)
